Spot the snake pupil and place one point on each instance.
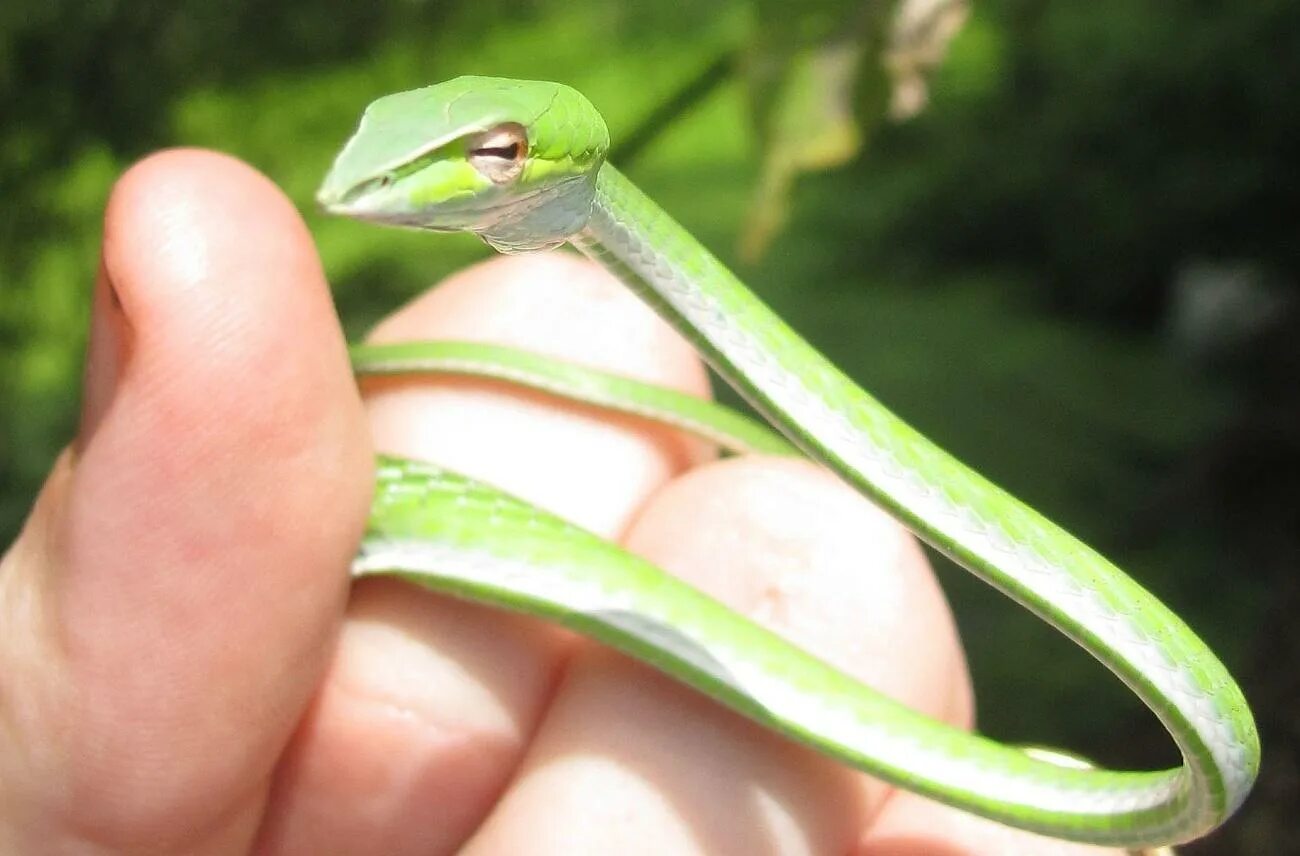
(510, 152)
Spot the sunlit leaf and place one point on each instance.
(822, 76)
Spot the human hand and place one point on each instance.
(184, 668)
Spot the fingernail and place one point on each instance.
(105, 355)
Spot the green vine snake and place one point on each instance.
(523, 165)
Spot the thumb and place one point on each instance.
(168, 608)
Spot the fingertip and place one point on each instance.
(796, 549)
(532, 444)
(558, 304)
(150, 222)
(179, 218)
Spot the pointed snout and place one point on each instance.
(330, 195)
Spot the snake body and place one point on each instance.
(522, 164)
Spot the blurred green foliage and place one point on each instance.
(1008, 270)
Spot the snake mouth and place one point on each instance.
(403, 219)
(471, 213)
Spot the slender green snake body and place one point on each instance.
(522, 164)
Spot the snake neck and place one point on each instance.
(637, 241)
(746, 343)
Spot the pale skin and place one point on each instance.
(184, 667)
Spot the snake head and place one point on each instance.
(513, 161)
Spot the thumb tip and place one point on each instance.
(156, 226)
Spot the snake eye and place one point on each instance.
(499, 153)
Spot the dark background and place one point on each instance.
(1077, 268)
